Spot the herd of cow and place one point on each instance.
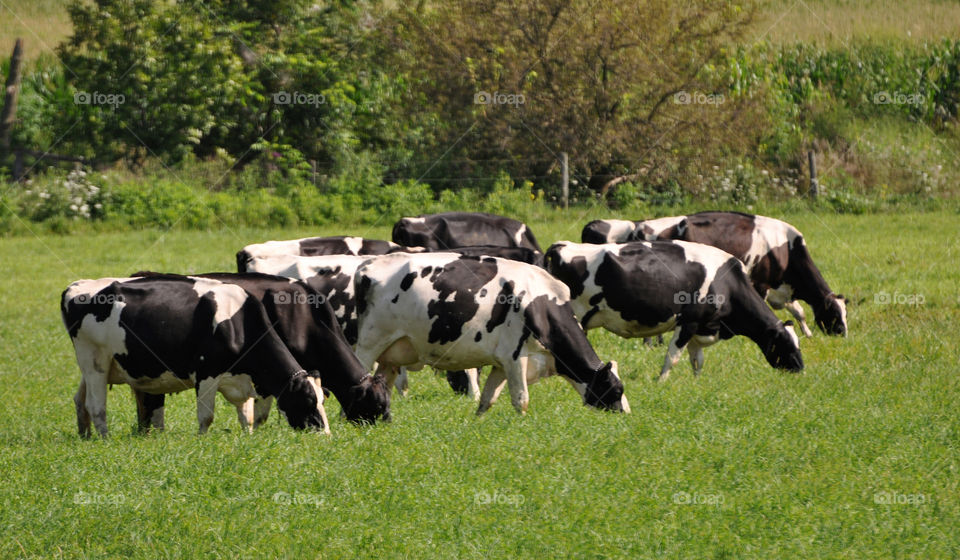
(457, 291)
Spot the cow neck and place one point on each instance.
(572, 352)
(805, 278)
(751, 317)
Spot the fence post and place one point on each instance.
(17, 166)
(814, 185)
(8, 114)
(565, 184)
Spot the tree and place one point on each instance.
(624, 87)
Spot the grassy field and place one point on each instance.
(840, 22)
(857, 457)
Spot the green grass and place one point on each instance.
(778, 465)
(42, 24)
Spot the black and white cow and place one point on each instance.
(317, 246)
(165, 335)
(774, 254)
(449, 230)
(305, 321)
(642, 289)
(332, 276)
(455, 312)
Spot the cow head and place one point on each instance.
(605, 390)
(832, 316)
(782, 348)
(368, 400)
(301, 403)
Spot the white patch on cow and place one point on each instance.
(768, 234)
(711, 258)
(624, 404)
(228, 297)
(90, 287)
(354, 244)
(843, 315)
(273, 248)
(106, 338)
(793, 335)
(658, 226)
(519, 236)
(318, 390)
(620, 230)
(415, 220)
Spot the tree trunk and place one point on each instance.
(8, 115)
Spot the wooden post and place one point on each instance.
(8, 115)
(565, 182)
(17, 166)
(814, 186)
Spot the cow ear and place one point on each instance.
(614, 368)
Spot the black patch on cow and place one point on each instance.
(483, 292)
(395, 298)
(449, 230)
(478, 337)
(595, 232)
(407, 281)
(643, 282)
(363, 287)
(506, 300)
(573, 273)
(426, 270)
(463, 278)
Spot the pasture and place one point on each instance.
(856, 457)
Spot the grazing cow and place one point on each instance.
(304, 320)
(317, 246)
(775, 257)
(332, 276)
(165, 335)
(641, 289)
(448, 230)
(455, 312)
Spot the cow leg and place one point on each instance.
(246, 414)
(206, 401)
(675, 349)
(696, 356)
(491, 389)
(517, 382)
(149, 410)
(473, 383)
(390, 375)
(796, 310)
(83, 417)
(401, 381)
(261, 410)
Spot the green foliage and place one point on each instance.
(147, 80)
